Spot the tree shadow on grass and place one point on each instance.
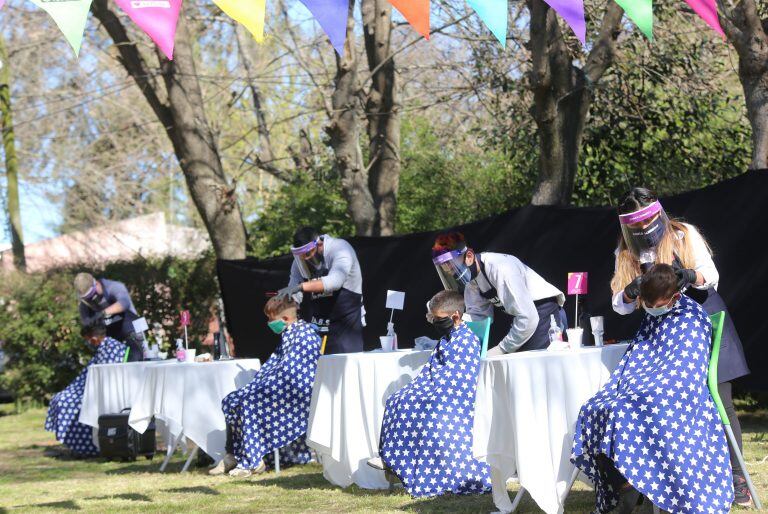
(577, 502)
(197, 490)
(136, 497)
(313, 480)
(62, 505)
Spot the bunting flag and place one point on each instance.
(157, 18)
(707, 10)
(416, 12)
(332, 17)
(494, 14)
(70, 16)
(641, 13)
(572, 11)
(248, 13)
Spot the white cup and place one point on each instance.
(387, 343)
(597, 323)
(574, 337)
(190, 355)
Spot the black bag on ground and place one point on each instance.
(118, 440)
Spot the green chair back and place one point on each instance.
(718, 322)
(127, 352)
(482, 329)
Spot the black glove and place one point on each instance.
(685, 277)
(632, 291)
(288, 292)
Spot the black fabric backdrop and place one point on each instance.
(551, 240)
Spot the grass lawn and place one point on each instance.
(36, 477)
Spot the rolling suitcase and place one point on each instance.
(117, 440)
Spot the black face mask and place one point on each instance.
(650, 236)
(443, 326)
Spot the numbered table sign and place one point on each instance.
(185, 318)
(577, 282)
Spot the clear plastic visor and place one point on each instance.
(453, 273)
(308, 259)
(643, 230)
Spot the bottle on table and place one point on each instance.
(555, 334)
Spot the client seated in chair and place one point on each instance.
(64, 409)
(271, 412)
(426, 435)
(653, 429)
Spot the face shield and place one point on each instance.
(308, 259)
(453, 273)
(643, 230)
(93, 299)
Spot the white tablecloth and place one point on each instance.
(348, 407)
(187, 397)
(110, 388)
(525, 412)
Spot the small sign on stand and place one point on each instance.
(395, 300)
(185, 319)
(577, 284)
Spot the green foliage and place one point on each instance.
(40, 327)
(306, 201)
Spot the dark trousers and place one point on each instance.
(726, 395)
(229, 446)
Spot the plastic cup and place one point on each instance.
(574, 337)
(190, 355)
(387, 343)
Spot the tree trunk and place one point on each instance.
(344, 137)
(185, 123)
(562, 97)
(747, 33)
(383, 114)
(11, 162)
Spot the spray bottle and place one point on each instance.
(555, 334)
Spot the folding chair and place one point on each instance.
(482, 329)
(718, 322)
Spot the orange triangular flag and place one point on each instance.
(416, 12)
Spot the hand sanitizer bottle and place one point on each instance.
(181, 353)
(555, 334)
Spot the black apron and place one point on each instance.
(339, 317)
(732, 363)
(120, 327)
(545, 307)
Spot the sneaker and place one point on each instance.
(377, 463)
(225, 465)
(239, 472)
(741, 494)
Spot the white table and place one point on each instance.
(347, 410)
(525, 413)
(187, 397)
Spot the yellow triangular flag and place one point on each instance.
(248, 13)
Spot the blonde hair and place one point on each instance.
(671, 245)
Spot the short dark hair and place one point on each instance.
(305, 235)
(658, 282)
(447, 301)
(278, 304)
(636, 199)
(94, 329)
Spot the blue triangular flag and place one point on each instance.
(494, 14)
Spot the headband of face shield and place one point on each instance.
(308, 259)
(643, 230)
(453, 272)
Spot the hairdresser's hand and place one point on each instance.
(632, 291)
(288, 292)
(686, 277)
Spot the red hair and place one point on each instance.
(447, 242)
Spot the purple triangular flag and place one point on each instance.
(572, 12)
(332, 17)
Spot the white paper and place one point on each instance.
(140, 325)
(395, 300)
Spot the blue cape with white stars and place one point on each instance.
(64, 409)
(656, 419)
(426, 435)
(272, 411)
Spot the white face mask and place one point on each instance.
(660, 311)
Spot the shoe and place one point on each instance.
(240, 473)
(741, 494)
(225, 465)
(377, 463)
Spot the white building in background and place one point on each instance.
(148, 236)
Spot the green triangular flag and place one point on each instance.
(640, 12)
(70, 16)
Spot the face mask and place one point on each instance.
(658, 311)
(443, 326)
(650, 236)
(277, 326)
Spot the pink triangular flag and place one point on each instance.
(707, 10)
(157, 18)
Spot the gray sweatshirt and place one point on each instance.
(340, 259)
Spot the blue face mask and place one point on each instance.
(659, 311)
(277, 326)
